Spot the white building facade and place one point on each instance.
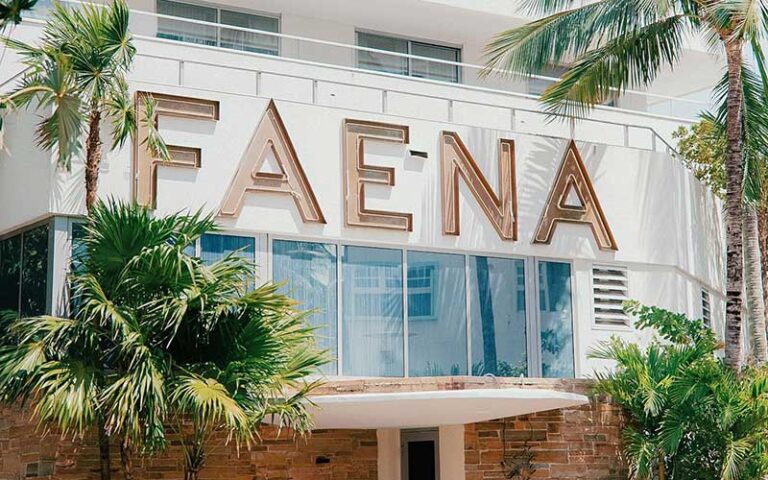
(441, 224)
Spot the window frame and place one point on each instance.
(533, 330)
(49, 274)
(535, 317)
(218, 8)
(409, 42)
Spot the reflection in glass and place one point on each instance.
(34, 276)
(381, 61)
(372, 320)
(10, 268)
(214, 247)
(309, 270)
(249, 41)
(435, 70)
(437, 324)
(497, 308)
(556, 320)
(185, 31)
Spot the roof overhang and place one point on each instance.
(433, 408)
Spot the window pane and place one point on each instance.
(34, 273)
(437, 323)
(309, 270)
(372, 321)
(497, 308)
(77, 262)
(10, 266)
(186, 31)
(556, 320)
(214, 247)
(249, 41)
(381, 62)
(434, 70)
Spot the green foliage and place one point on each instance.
(685, 408)
(610, 46)
(11, 10)
(702, 146)
(79, 69)
(702, 149)
(159, 339)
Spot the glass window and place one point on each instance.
(10, 268)
(34, 273)
(214, 247)
(187, 31)
(384, 62)
(309, 270)
(372, 314)
(435, 70)
(556, 319)
(498, 319)
(437, 323)
(249, 41)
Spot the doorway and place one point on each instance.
(419, 453)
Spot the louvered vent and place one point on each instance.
(609, 289)
(706, 308)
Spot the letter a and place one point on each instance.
(573, 176)
(272, 136)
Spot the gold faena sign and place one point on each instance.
(456, 163)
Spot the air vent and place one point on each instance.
(609, 290)
(706, 308)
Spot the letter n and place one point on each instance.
(573, 176)
(501, 209)
(272, 136)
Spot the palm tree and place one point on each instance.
(78, 71)
(702, 147)
(158, 337)
(688, 415)
(613, 45)
(11, 10)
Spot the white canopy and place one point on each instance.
(433, 408)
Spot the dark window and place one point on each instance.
(10, 276)
(24, 272)
(34, 273)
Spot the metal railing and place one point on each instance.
(146, 24)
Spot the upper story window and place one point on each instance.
(403, 65)
(238, 38)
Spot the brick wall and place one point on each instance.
(578, 443)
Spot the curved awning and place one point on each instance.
(431, 408)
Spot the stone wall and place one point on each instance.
(578, 443)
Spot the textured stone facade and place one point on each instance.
(578, 443)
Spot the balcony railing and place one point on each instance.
(426, 69)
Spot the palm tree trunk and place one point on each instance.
(104, 460)
(762, 229)
(753, 283)
(126, 459)
(93, 157)
(734, 169)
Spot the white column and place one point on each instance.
(388, 440)
(451, 451)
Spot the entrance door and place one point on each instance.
(420, 454)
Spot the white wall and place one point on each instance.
(667, 226)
